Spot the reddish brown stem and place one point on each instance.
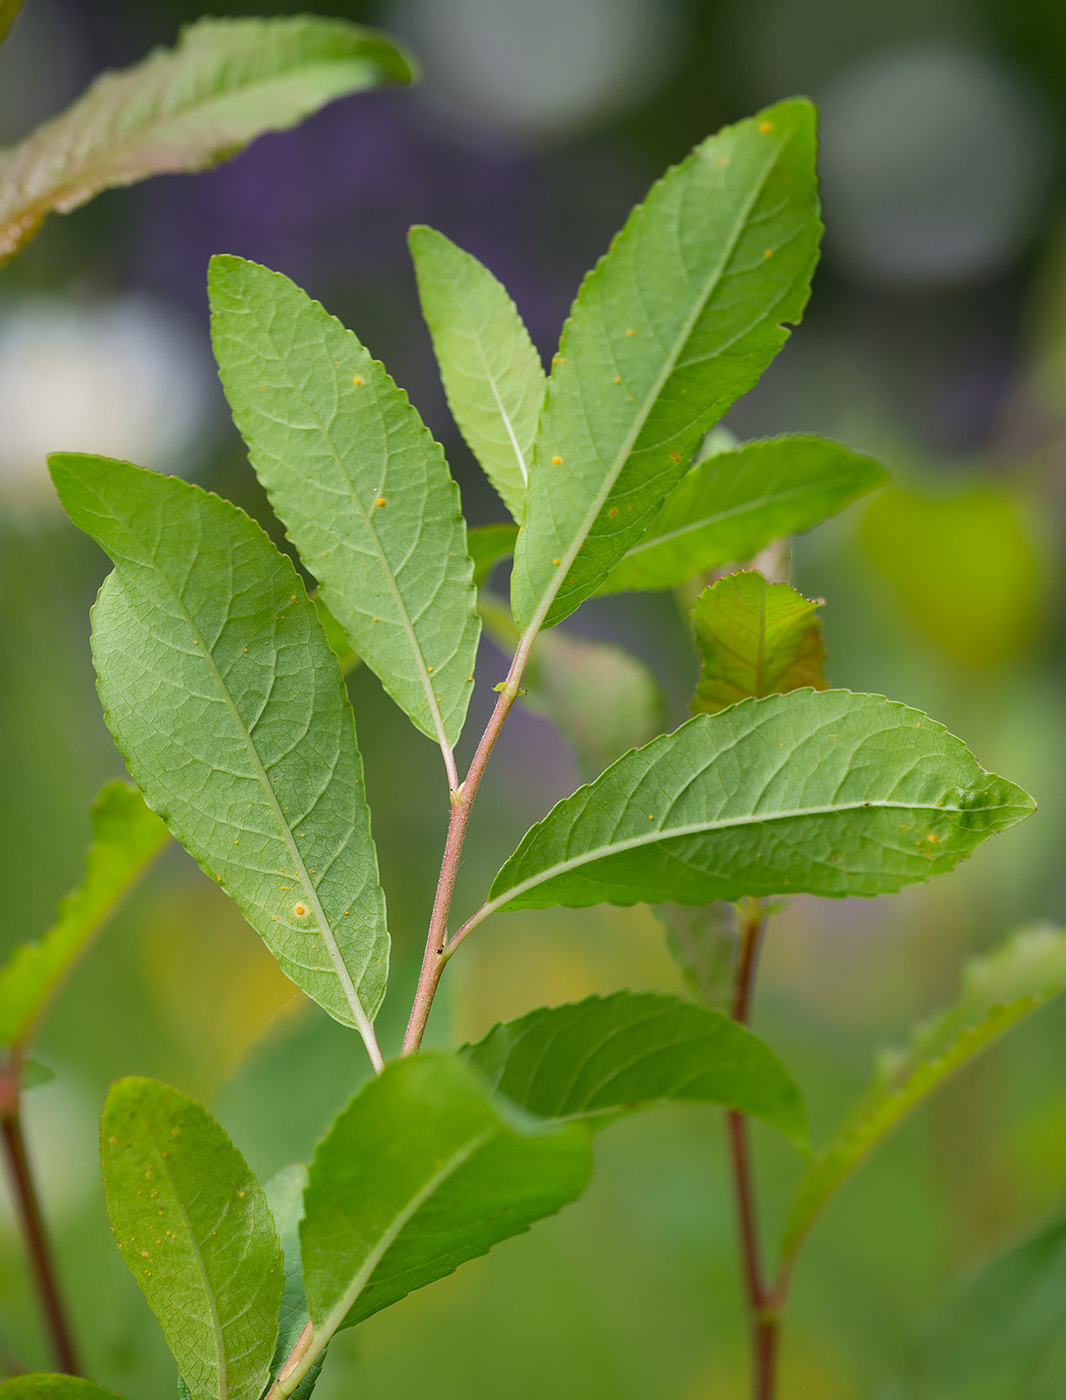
(433, 959)
(28, 1209)
(763, 1301)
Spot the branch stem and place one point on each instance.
(462, 798)
(28, 1209)
(763, 1301)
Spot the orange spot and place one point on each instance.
(300, 909)
(630, 332)
(429, 669)
(357, 380)
(766, 128)
(557, 461)
(618, 379)
(613, 512)
(555, 561)
(380, 501)
(632, 506)
(675, 456)
(768, 253)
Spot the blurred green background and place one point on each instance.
(936, 339)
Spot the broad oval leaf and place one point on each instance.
(46, 1385)
(424, 1170)
(126, 839)
(827, 793)
(732, 504)
(999, 989)
(227, 703)
(362, 487)
(491, 372)
(756, 638)
(1001, 1335)
(226, 82)
(676, 322)
(195, 1232)
(626, 1051)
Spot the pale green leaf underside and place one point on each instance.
(702, 940)
(285, 1196)
(999, 989)
(362, 487)
(44, 1385)
(675, 323)
(602, 699)
(126, 838)
(756, 638)
(1001, 1334)
(610, 1054)
(423, 1171)
(488, 544)
(827, 793)
(226, 82)
(195, 1232)
(228, 705)
(731, 505)
(491, 372)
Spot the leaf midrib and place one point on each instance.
(670, 363)
(697, 828)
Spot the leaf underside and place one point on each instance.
(733, 504)
(44, 1385)
(999, 989)
(228, 705)
(676, 322)
(226, 82)
(756, 639)
(827, 793)
(195, 1232)
(362, 487)
(627, 1051)
(126, 839)
(421, 1172)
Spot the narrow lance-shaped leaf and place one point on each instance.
(195, 1232)
(226, 82)
(488, 544)
(756, 638)
(999, 989)
(610, 1054)
(228, 705)
(421, 1172)
(44, 1385)
(1001, 1335)
(602, 699)
(491, 372)
(362, 487)
(732, 504)
(702, 940)
(126, 839)
(285, 1197)
(675, 323)
(825, 793)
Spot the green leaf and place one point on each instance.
(227, 703)
(195, 1232)
(337, 637)
(42, 1385)
(629, 1050)
(676, 322)
(421, 1172)
(285, 1197)
(9, 10)
(999, 989)
(825, 793)
(491, 372)
(702, 940)
(602, 699)
(363, 489)
(756, 638)
(732, 504)
(488, 544)
(226, 82)
(1002, 1333)
(34, 1074)
(126, 839)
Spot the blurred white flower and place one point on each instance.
(129, 377)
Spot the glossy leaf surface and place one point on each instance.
(226, 82)
(362, 487)
(826, 793)
(126, 839)
(491, 372)
(617, 1053)
(731, 505)
(756, 638)
(194, 1229)
(676, 322)
(420, 1173)
(228, 705)
(999, 989)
